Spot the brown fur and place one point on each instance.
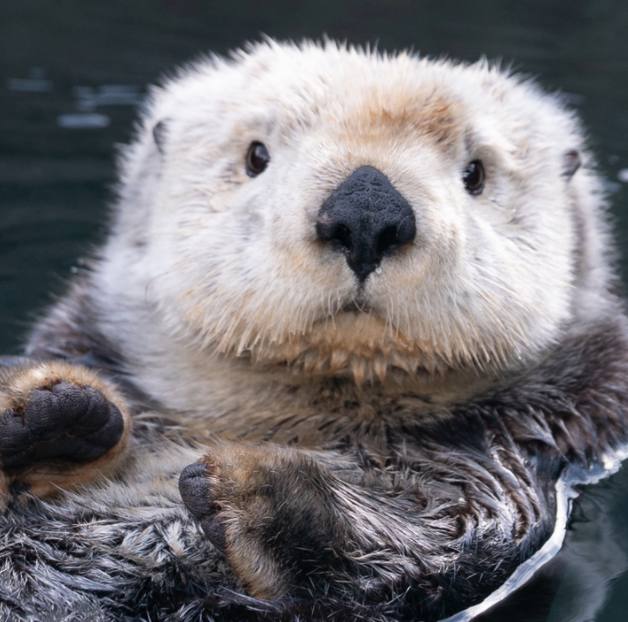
(399, 112)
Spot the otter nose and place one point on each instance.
(365, 218)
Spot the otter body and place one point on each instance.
(353, 322)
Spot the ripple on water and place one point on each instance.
(567, 490)
(83, 120)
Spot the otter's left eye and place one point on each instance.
(473, 177)
(257, 159)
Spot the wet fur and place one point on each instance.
(469, 524)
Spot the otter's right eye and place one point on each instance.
(473, 177)
(257, 159)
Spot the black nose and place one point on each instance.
(366, 217)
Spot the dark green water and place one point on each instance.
(72, 72)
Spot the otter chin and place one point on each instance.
(355, 344)
(363, 347)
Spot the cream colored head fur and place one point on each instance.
(207, 261)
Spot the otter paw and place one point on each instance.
(61, 423)
(226, 494)
(58, 433)
(269, 511)
(197, 494)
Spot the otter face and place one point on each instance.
(344, 212)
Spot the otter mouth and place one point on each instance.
(352, 342)
(356, 307)
(358, 304)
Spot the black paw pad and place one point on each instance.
(63, 423)
(196, 493)
(195, 490)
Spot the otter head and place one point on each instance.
(343, 212)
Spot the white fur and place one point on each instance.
(208, 269)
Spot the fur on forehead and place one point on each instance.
(362, 89)
(495, 279)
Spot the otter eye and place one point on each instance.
(257, 159)
(473, 177)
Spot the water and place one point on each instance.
(72, 72)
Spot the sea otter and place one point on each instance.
(358, 309)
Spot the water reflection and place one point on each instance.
(34, 83)
(83, 120)
(89, 98)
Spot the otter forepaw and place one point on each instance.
(268, 509)
(59, 427)
(222, 490)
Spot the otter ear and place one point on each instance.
(571, 163)
(159, 134)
